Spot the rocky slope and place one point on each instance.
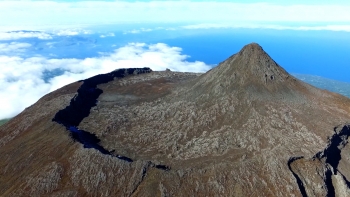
(245, 128)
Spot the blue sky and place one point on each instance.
(47, 44)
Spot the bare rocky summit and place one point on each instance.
(244, 128)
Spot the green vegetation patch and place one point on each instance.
(3, 121)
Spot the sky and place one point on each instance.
(47, 44)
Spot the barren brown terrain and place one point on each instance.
(244, 128)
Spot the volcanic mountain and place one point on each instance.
(244, 128)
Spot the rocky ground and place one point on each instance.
(245, 128)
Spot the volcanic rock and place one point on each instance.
(244, 128)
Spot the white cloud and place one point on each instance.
(134, 31)
(266, 26)
(326, 27)
(201, 26)
(141, 30)
(13, 48)
(107, 35)
(24, 77)
(14, 35)
(53, 13)
(70, 32)
(43, 35)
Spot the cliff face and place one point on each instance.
(244, 128)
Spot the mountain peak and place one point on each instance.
(253, 51)
(253, 55)
(252, 47)
(250, 70)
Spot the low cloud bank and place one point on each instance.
(15, 35)
(24, 80)
(42, 35)
(345, 28)
(208, 26)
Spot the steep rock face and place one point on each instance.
(320, 175)
(239, 129)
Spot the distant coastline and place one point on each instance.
(339, 87)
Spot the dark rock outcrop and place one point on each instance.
(329, 159)
(81, 104)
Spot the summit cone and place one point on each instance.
(253, 73)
